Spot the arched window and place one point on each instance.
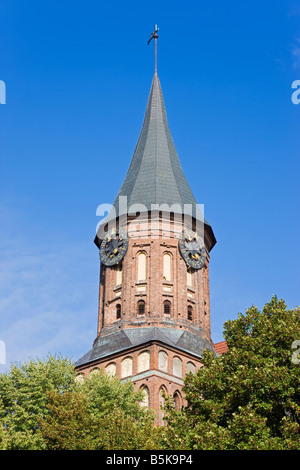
(190, 312)
(126, 367)
(118, 311)
(161, 399)
(144, 361)
(80, 378)
(167, 307)
(119, 270)
(141, 307)
(177, 401)
(190, 367)
(177, 367)
(146, 396)
(111, 369)
(163, 361)
(167, 267)
(141, 267)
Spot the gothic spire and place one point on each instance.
(155, 176)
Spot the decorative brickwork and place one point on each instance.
(182, 291)
(153, 273)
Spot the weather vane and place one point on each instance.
(155, 36)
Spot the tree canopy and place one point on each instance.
(248, 398)
(42, 407)
(23, 399)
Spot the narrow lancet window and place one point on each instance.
(167, 307)
(141, 307)
(189, 279)
(141, 268)
(118, 311)
(119, 274)
(167, 267)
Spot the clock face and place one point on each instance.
(192, 249)
(113, 247)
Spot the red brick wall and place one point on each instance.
(154, 240)
(156, 289)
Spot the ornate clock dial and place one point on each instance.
(113, 247)
(192, 249)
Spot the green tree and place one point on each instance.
(104, 392)
(43, 406)
(24, 400)
(248, 398)
(100, 413)
(67, 426)
(3, 432)
(121, 432)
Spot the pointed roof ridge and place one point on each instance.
(155, 175)
(122, 340)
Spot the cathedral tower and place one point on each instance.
(154, 304)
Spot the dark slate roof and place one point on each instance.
(125, 339)
(155, 175)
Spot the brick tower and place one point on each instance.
(154, 305)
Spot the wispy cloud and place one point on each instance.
(48, 295)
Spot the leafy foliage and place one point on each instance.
(104, 392)
(101, 413)
(248, 398)
(42, 406)
(24, 400)
(67, 425)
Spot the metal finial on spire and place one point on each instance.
(155, 36)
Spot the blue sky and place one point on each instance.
(77, 81)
